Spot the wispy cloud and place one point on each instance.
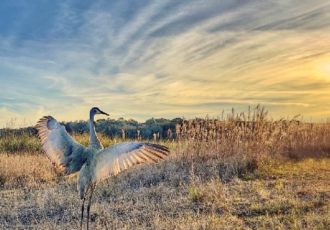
(163, 58)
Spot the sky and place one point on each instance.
(141, 59)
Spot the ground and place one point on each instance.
(175, 194)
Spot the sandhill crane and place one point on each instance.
(93, 162)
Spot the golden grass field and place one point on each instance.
(239, 173)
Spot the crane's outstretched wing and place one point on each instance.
(64, 152)
(116, 158)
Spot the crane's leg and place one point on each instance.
(89, 204)
(82, 212)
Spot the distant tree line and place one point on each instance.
(154, 128)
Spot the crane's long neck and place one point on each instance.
(93, 140)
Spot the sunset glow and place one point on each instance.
(325, 69)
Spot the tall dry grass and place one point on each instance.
(12, 143)
(218, 176)
(16, 144)
(231, 145)
(239, 143)
(254, 134)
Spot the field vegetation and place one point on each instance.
(240, 171)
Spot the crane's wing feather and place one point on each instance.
(64, 152)
(119, 157)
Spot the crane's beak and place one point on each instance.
(101, 112)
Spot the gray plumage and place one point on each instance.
(93, 162)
